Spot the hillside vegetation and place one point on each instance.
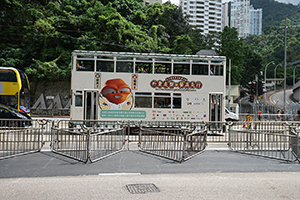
(38, 36)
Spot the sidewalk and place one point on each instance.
(267, 186)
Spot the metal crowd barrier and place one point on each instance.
(18, 137)
(177, 144)
(87, 143)
(267, 139)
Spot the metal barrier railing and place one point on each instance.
(18, 137)
(267, 139)
(87, 143)
(178, 144)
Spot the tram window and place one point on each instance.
(198, 69)
(162, 68)
(126, 67)
(85, 65)
(176, 100)
(78, 99)
(181, 69)
(162, 100)
(105, 66)
(143, 100)
(216, 70)
(143, 67)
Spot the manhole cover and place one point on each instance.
(141, 188)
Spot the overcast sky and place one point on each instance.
(295, 2)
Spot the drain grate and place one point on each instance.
(141, 188)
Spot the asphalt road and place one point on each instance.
(278, 97)
(214, 174)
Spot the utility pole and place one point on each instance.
(256, 96)
(229, 85)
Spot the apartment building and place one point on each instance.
(243, 17)
(255, 21)
(204, 14)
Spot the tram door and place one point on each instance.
(90, 105)
(215, 110)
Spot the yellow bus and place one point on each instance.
(147, 86)
(14, 89)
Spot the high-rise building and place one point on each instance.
(244, 18)
(255, 21)
(240, 17)
(226, 10)
(204, 14)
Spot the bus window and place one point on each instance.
(124, 66)
(176, 100)
(143, 67)
(198, 69)
(78, 99)
(162, 68)
(216, 70)
(85, 65)
(9, 100)
(105, 66)
(8, 76)
(143, 100)
(181, 69)
(162, 100)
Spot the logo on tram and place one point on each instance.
(176, 83)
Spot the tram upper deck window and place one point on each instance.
(181, 69)
(162, 100)
(143, 100)
(85, 65)
(105, 66)
(162, 68)
(143, 67)
(199, 69)
(125, 65)
(216, 70)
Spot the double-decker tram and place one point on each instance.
(14, 89)
(147, 86)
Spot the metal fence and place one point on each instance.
(18, 137)
(174, 143)
(267, 139)
(87, 143)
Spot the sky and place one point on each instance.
(295, 2)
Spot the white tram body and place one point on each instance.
(147, 86)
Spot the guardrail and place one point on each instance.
(177, 144)
(267, 139)
(18, 137)
(87, 143)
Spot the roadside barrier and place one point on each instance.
(87, 143)
(88, 140)
(18, 137)
(177, 144)
(277, 140)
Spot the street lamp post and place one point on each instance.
(285, 56)
(294, 75)
(275, 76)
(272, 62)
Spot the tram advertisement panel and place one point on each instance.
(138, 96)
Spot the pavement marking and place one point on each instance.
(118, 174)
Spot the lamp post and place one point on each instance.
(294, 74)
(275, 76)
(285, 56)
(272, 62)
